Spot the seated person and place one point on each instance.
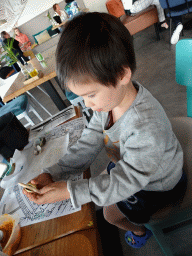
(177, 23)
(24, 42)
(135, 6)
(5, 72)
(59, 15)
(16, 49)
(128, 121)
(71, 8)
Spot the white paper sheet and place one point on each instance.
(29, 166)
(14, 201)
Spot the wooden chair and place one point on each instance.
(137, 22)
(182, 213)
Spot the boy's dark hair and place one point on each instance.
(94, 46)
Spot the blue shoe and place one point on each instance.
(137, 241)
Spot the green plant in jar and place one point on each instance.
(8, 54)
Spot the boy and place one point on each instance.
(95, 59)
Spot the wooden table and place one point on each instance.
(73, 234)
(48, 231)
(49, 73)
(81, 243)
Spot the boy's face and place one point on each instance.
(99, 97)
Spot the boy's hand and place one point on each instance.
(42, 180)
(51, 193)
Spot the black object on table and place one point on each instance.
(13, 135)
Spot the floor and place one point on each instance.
(156, 71)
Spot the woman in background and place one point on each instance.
(16, 48)
(24, 41)
(59, 13)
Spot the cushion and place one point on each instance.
(54, 32)
(42, 37)
(34, 36)
(16, 106)
(115, 7)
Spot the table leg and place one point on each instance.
(39, 103)
(43, 91)
(50, 89)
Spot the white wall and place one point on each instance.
(96, 5)
(35, 7)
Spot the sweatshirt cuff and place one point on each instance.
(79, 192)
(54, 171)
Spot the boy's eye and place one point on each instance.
(91, 96)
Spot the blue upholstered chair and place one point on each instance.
(20, 108)
(183, 67)
(180, 216)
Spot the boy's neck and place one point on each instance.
(130, 95)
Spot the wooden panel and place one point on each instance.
(47, 231)
(83, 243)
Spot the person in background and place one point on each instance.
(16, 49)
(71, 8)
(135, 6)
(59, 13)
(24, 42)
(128, 121)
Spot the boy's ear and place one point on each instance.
(127, 75)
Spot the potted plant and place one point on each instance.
(11, 59)
(50, 18)
(8, 54)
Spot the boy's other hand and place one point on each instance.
(51, 193)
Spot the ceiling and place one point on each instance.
(10, 11)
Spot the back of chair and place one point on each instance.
(183, 62)
(182, 127)
(166, 4)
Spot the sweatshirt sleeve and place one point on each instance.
(80, 156)
(144, 150)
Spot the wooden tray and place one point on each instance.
(32, 79)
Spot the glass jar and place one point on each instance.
(31, 70)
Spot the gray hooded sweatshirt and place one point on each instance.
(141, 142)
